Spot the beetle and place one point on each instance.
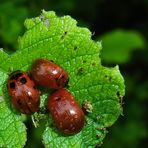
(24, 94)
(46, 73)
(66, 112)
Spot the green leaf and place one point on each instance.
(119, 44)
(71, 47)
(88, 137)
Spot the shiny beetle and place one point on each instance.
(66, 112)
(24, 94)
(47, 73)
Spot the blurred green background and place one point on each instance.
(122, 26)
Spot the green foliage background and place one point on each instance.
(122, 27)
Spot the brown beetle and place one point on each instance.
(25, 96)
(66, 112)
(46, 73)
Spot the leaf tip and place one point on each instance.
(48, 14)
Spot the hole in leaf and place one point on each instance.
(64, 34)
(80, 71)
(75, 48)
(118, 94)
(93, 64)
(84, 61)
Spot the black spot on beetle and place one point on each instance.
(15, 75)
(23, 80)
(12, 85)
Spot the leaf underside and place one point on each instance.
(61, 40)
